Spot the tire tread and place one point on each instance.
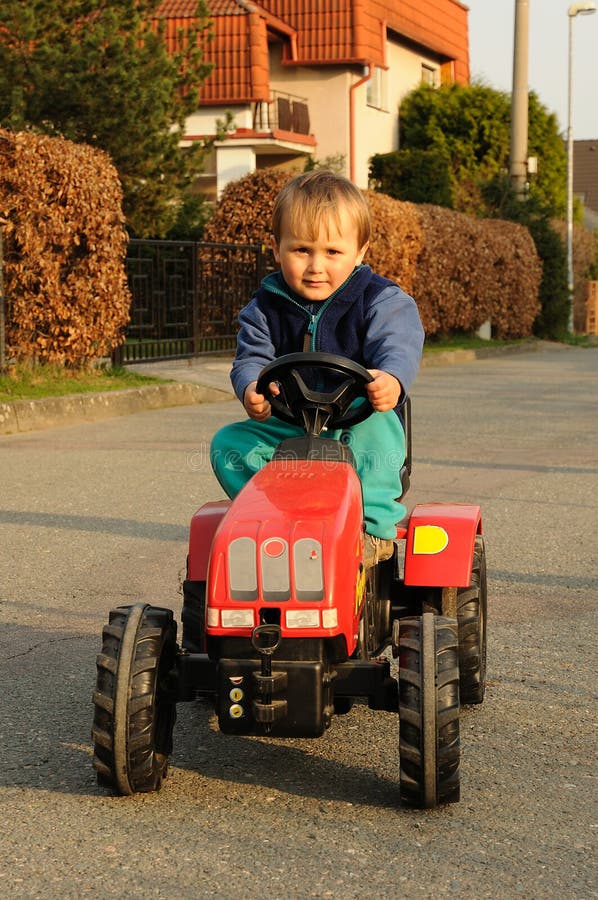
(414, 768)
(137, 760)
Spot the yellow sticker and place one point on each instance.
(429, 539)
(359, 590)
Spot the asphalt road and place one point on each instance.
(95, 515)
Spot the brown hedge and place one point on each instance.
(64, 249)
(397, 239)
(461, 270)
(244, 211)
(470, 270)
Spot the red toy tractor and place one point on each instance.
(284, 628)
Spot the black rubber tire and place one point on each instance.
(472, 605)
(134, 710)
(429, 710)
(193, 616)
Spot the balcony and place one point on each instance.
(284, 113)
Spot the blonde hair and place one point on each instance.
(311, 200)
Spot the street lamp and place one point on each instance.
(575, 9)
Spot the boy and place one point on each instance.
(324, 298)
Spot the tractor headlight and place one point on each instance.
(237, 618)
(303, 618)
(329, 618)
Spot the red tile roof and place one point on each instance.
(238, 49)
(183, 8)
(313, 32)
(331, 31)
(440, 25)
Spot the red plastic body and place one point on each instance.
(304, 516)
(315, 502)
(201, 534)
(440, 544)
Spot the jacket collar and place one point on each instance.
(274, 283)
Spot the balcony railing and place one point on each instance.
(283, 113)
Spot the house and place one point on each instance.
(585, 179)
(319, 78)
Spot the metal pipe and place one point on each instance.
(570, 276)
(369, 69)
(574, 10)
(519, 100)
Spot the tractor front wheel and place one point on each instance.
(429, 710)
(134, 709)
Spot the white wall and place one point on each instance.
(377, 130)
(327, 91)
(232, 162)
(409, 66)
(203, 122)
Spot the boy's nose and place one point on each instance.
(316, 262)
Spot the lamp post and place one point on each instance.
(519, 101)
(575, 9)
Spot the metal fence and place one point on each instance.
(187, 296)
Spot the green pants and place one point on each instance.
(239, 450)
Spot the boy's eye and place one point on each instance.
(331, 251)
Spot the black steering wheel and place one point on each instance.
(310, 409)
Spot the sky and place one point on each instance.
(491, 29)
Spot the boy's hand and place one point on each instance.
(256, 405)
(385, 391)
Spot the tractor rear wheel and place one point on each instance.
(134, 709)
(429, 710)
(472, 605)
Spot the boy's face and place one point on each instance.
(314, 269)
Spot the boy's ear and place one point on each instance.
(274, 245)
(362, 253)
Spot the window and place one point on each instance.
(377, 89)
(430, 75)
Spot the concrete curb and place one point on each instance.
(456, 357)
(35, 415)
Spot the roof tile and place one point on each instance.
(325, 32)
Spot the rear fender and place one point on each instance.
(201, 534)
(440, 544)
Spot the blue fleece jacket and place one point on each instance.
(369, 319)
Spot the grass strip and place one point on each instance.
(38, 382)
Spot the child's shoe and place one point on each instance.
(376, 550)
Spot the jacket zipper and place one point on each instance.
(309, 338)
